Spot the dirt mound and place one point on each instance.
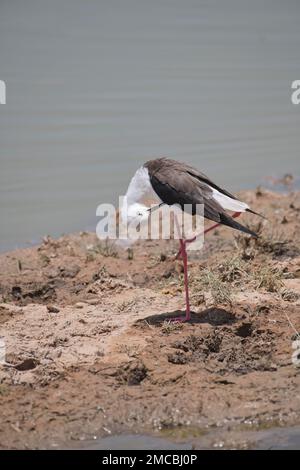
(89, 348)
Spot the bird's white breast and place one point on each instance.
(140, 189)
(139, 196)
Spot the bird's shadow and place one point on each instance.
(214, 316)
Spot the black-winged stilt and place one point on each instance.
(170, 182)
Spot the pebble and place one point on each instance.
(80, 305)
(93, 301)
(52, 309)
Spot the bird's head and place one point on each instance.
(136, 213)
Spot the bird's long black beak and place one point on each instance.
(151, 209)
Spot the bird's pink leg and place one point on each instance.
(190, 240)
(186, 284)
(186, 280)
(182, 252)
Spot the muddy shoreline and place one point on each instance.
(90, 352)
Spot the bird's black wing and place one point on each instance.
(174, 183)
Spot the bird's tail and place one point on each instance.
(256, 213)
(225, 219)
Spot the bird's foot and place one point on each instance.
(180, 319)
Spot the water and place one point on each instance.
(132, 442)
(271, 439)
(96, 88)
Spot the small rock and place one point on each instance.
(16, 292)
(53, 273)
(52, 309)
(70, 271)
(93, 301)
(80, 305)
(168, 273)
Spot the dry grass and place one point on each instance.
(270, 241)
(289, 295)
(105, 248)
(3, 390)
(220, 291)
(273, 242)
(170, 326)
(130, 350)
(269, 278)
(126, 305)
(232, 269)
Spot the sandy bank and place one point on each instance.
(90, 350)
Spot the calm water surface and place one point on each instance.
(273, 439)
(96, 88)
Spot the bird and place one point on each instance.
(170, 182)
